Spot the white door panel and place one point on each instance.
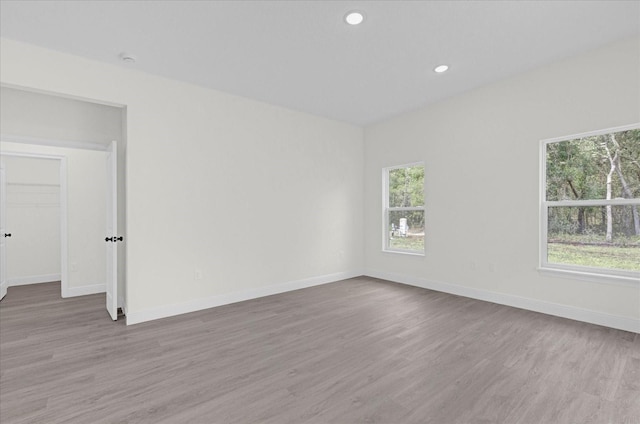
(112, 231)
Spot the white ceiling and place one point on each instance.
(301, 54)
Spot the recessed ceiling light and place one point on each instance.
(127, 58)
(354, 17)
(440, 68)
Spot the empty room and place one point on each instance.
(320, 212)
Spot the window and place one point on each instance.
(403, 188)
(590, 204)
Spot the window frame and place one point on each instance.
(386, 209)
(581, 272)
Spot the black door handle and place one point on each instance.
(114, 239)
(118, 238)
(7, 234)
(108, 239)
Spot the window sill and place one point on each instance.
(591, 276)
(404, 252)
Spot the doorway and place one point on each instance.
(34, 217)
(36, 121)
(87, 214)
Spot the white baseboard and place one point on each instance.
(549, 308)
(225, 299)
(3, 290)
(84, 290)
(32, 279)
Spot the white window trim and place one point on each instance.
(580, 272)
(386, 209)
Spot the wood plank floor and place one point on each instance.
(357, 351)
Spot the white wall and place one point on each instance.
(38, 115)
(481, 153)
(255, 196)
(33, 219)
(86, 213)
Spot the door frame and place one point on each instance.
(64, 236)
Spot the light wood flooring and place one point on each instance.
(357, 351)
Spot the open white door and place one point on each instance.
(3, 234)
(111, 237)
